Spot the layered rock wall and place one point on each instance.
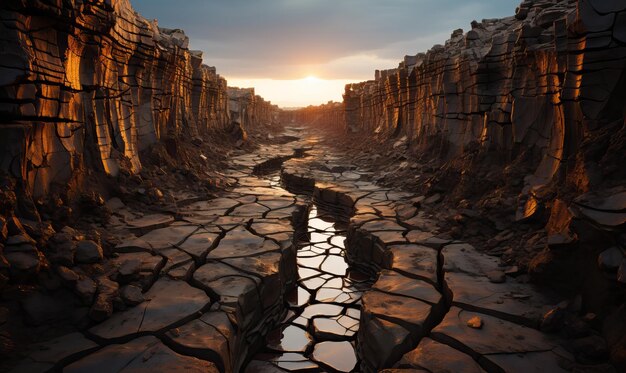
(90, 84)
(329, 114)
(536, 85)
(250, 110)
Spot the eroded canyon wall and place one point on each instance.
(329, 114)
(90, 84)
(537, 85)
(250, 110)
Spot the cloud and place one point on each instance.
(335, 39)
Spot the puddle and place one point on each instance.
(320, 335)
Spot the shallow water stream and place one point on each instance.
(319, 332)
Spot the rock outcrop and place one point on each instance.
(545, 86)
(249, 109)
(329, 114)
(91, 84)
(93, 88)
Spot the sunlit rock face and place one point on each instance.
(248, 109)
(536, 84)
(91, 84)
(330, 114)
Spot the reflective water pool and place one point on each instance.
(319, 333)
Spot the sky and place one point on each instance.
(301, 52)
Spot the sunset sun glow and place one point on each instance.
(310, 79)
(309, 90)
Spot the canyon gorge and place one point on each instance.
(463, 212)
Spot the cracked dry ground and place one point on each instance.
(306, 266)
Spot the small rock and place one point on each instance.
(46, 230)
(610, 259)
(102, 308)
(67, 274)
(20, 239)
(175, 332)
(128, 270)
(469, 213)
(418, 200)
(88, 251)
(108, 287)
(155, 193)
(497, 277)
(26, 248)
(401, 142)
(23, 264)
(406, 212)
(62, 247)
(86, 289)
(69, 231)
(475, 322)
(432, 199)
(131, 295)
(115, 204)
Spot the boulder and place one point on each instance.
(87, 252)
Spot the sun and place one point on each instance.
(311, 79)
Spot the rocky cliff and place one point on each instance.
(248, 109)
(91, 84)
(329, 114)
(539, 82)
(536, 86)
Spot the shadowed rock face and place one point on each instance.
(536, 80)
(89, 85)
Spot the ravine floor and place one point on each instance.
(305, 266)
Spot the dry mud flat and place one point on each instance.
(310, 268)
